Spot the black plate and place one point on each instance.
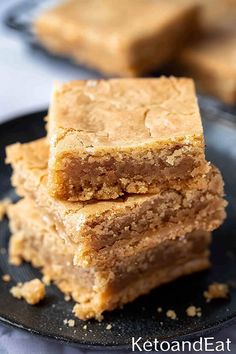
(139, 318)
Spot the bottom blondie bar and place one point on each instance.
(98, 290)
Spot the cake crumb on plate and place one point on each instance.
(171, 314)
(71, 323)
(6, 278)
(32, 291)
(216, 291)
(193, 311)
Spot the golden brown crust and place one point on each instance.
(125, 113)
(114, 136)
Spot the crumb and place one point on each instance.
(71, 323)
(4, 204)
(100, 318)
(109, 326)
(193, 311)
(159, 309)
(32, 291)
(6, 278)
(67, 298)
(60, 329)
(161, 323)
(46, 280)
(85, 327)
(216, 291)
(171, 314)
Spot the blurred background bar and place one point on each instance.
(27, 74)
(147, 37)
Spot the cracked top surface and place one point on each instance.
(115, 23)
(124, 112)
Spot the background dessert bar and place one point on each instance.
(118, 37)
(211, 60)
(97, 291)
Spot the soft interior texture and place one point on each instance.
(97, 291)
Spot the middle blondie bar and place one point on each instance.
(105, 232)
(114, 136)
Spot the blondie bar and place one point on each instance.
(100, 290)
(118, 37)
(211, 60)
(105, 231)
(114, 136)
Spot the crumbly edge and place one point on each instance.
(97, 233)
(111, 289)
(143, 286)
(105, 235)
(109, 175)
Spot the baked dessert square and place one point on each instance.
(126, 38)
(106, 231)
(96, 291)
(112, 137)
(211, 60)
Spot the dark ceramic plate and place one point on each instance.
(139, 318)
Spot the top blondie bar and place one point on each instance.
(110, 137)
(120, 37)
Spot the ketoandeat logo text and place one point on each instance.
(207, 344)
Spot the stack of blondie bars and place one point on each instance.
(118, 199)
